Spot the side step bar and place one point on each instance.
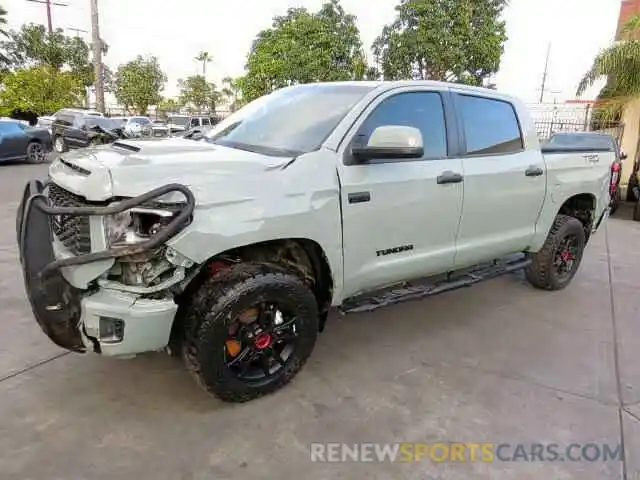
(407, 291)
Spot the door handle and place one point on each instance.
(533, 171)
(359, 197)
(449, 177)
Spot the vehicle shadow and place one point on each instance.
(162, 381)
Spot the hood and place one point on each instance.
(127, 168)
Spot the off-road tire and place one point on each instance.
(540, 273)
(226, 295)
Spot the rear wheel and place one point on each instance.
(249, 331)
(35, 153)
(556, 263)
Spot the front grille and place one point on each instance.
(73, 231)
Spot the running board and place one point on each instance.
(418, 291)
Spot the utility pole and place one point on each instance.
(97, 56)
(48, 4)
(544, 75)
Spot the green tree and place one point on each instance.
(139, 83)
(39, 89)
(620, 65)
(204, 58)
(168, 105)
(304, 47)
(232, 93)
(33, 45)
(449, 40)
(198, 93)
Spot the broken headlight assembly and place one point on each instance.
(137, 224)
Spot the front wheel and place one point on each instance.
(556, 263)
(249, 331)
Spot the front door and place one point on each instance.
(399, 221)
(12, 140)
(504, 181)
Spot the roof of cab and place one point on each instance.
(385, 85)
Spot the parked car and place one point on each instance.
(45, 122)
(315, 196)
(76, 129)
(196, 133)
(159, 128)
(137, 126)
(594, 142)
(21, 142)
(182, 123)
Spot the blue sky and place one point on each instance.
(175, 32)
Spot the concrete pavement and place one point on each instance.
(499, 362)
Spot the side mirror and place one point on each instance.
(390, 142)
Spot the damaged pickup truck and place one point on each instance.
(231, 250)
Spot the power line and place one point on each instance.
(78, 31)
(49, 4)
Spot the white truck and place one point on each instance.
(232, 249)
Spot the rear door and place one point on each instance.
(399, 221)
(76, 134)
(504, 181)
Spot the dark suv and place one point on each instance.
(78, 128)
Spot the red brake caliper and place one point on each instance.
(566, 255)
(262, 341)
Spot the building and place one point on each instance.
(628, 8)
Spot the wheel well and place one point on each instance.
(302, 256)
(581, 207)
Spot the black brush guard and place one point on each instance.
(55, 303)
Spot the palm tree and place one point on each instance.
(204, 57)
(231, 91)
(620, 65)
(3, 22)
(4, 59)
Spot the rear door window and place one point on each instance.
(491, 126)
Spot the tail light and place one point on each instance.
(615, 176)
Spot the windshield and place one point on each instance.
(184, 121)
(290, 121)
